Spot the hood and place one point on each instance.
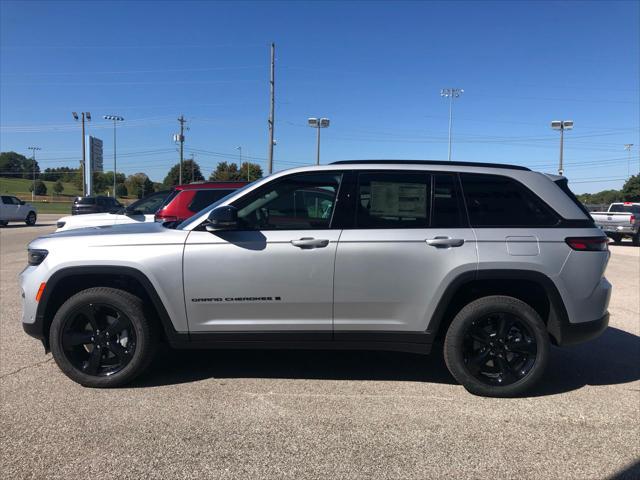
(140, 234)
(118, 229)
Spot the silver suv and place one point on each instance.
(494, 261)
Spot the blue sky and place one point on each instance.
(374, 68)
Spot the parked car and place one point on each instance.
(142, 210)
(94, 204)
(12, 209)
(619, 221)
(495, 261)
(188, 199)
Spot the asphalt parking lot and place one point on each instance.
(234, 414)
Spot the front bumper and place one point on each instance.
(574, 333)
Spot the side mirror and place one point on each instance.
(130, 213)
(222, 218)
(22, 202)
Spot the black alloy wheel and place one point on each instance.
(31, 218)
(499, 349)
(98, 339)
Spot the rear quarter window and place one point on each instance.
(204, 198)
(498, 201)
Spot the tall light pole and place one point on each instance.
(115, 119)
(561, 125)
(318, 123)
(627, 147)
(87, 116)
(239, 148)
(451, 93)
(272, 107)
(33, 159)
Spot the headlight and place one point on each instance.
(36, 257)
(60, 224)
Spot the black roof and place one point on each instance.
(431, 162)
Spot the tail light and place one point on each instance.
(588, 244)
(632, 219)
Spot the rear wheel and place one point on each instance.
(31, 218)
(101, 338)
(3, 223)
(615, 237)
(636, 239)
(497, 346)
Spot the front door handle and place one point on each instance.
(310, 242)
(445, 242)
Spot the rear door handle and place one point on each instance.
(310, 242)
(445, 242)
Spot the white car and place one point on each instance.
(13, 209)
(138, 212)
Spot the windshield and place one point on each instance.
(149, 204)
(194, 218)
(625, 208)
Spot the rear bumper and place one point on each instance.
(574, 333)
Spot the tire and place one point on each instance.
(475, 353)
(110, 357)
(616, 238)
(31, 218)
(636, 240)
(3, 223)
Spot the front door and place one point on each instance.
(275, 271)
(409, 240)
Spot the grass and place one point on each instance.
(53, 207)
(20, 188)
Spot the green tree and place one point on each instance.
(58, 187)
(190, 173)
(41, 188)
(139, 185)
(229, 172)
(12, 164)
(631, 189)
(121, 190)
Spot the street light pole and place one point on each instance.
(33, 160)
(86, 115)
(561, 125)
(115, 119)
(451, 93)
(239, 148)
(318, 123)
(627, 147)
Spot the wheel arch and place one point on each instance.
(68, 281)
(534, 288)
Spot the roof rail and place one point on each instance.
(431, 162)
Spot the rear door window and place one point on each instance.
(498, 201)
(393, 200)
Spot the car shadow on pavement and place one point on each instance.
(608, 360)
(22, 225)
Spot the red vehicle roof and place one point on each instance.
(210, 185)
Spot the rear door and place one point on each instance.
(275, 272)
(11, 208)
(409, 239)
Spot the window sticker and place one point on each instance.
(391, 199)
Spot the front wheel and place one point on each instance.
(31, 219)
(497, 346)
(100, 337)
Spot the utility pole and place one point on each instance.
(33, 159)
(627, 147)
(272, 88)
(451, 93)
(561, 125)
(115, 119)
(180, 138)
(86, 115)
(240, 161)
(193, 162)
